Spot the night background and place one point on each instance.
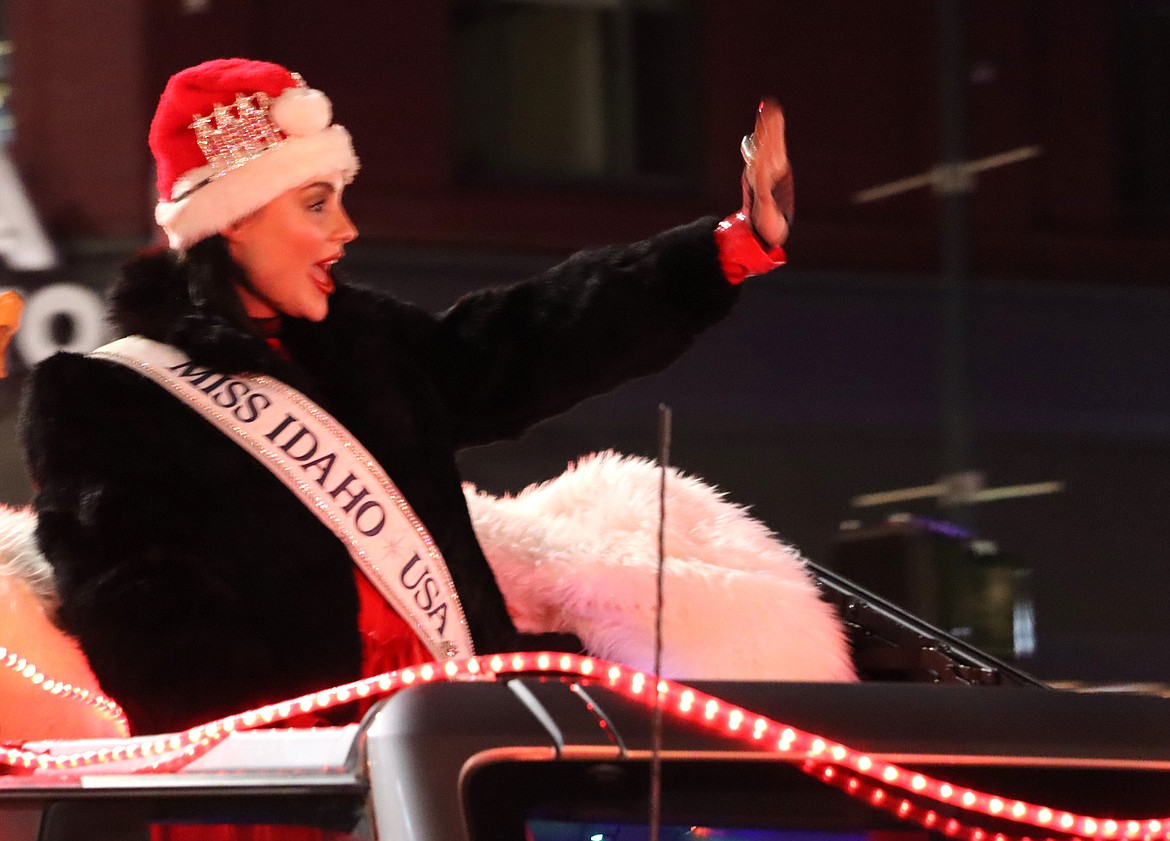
(1014, 325)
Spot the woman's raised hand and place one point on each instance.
(768, 197)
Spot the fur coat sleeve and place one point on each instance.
(597, 320)
(501, 359)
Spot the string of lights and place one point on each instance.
(29, 671)
(856, 772)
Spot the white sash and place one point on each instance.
(330, 472)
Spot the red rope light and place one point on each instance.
(906, 809)
(816, 754)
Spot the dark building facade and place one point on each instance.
(535, 125)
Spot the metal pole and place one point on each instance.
(954, 190)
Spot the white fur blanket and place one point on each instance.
(579, 554)
(27, 597)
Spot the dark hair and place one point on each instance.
(159, 288)
(211, 277)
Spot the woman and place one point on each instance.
(195, 583)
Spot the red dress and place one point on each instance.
(388, 643)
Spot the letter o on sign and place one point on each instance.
(81, 306)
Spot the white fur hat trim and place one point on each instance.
(227, 198)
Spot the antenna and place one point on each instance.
(664, 418)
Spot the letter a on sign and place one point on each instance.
(22, 239)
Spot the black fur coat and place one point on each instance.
(196, 583)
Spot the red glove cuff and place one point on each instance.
(741, 254)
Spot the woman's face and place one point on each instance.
(288, 248)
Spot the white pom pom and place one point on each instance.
(301, 111)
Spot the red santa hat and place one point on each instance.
(230, 135)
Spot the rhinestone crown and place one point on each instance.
(232, 135)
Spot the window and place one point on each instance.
(7, 124)
(1142, 73)
(586, 91)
